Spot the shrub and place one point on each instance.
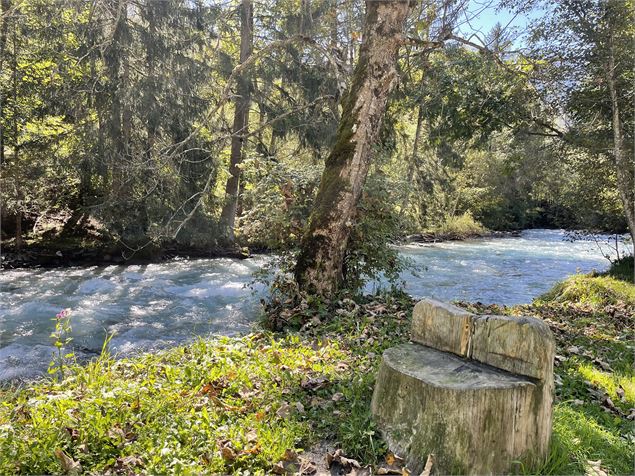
(459, 227)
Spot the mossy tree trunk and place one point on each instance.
(239, 129)
(624, 166)
(323, 248)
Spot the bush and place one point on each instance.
(460, 227)
(370, 256)
(623, 269)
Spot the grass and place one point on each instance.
(593, 290)
(459, 227)
(223, 405)
(253, 404)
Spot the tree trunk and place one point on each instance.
(18, 231)
(623, 166)
(5, 6)
(241, 123)
(476, 391)
(321, 259)
(114, 117)
(413, 160)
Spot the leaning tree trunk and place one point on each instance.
(624, 167)
(320, 262)
(239, 129)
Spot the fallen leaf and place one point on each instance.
(620, 393)
(69, 465)
(338, 458)
(284, 411)
(604, 365)
(314, 383)
(337, 397)
(559, 358)
(289, 464)
(252, 436)
(228, 454)
(593, 468)
(384, 470)
(126, 463)
(428, 467)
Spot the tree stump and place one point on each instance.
(475, 391)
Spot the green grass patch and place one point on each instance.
(592, 290)
(225, 405)
(242, 405)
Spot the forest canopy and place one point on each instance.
(142, 125)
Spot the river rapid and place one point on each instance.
(152, 306)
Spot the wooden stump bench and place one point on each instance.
(475, 391)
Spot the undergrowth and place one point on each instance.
(459, 227)
(253, 404)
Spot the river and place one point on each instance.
(157, 305)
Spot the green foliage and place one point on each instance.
(459, 227)
(370, 255)
(592, 290)
(277, 202)
(224, 405)
(61, 339)
(623, 269)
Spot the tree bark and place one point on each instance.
(241, 123)
(321, 259)
(476, 391)
(413, 159)
(113, 59)
(5, 6)
(623, 167)
(18, 231)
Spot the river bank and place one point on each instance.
(66, 254)
(440, 237)
(288, 402)
(158, 305)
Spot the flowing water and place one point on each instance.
(156, 305)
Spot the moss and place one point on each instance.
(591, 290)
(332, 186)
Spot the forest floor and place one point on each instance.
(298, 402)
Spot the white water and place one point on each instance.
(156, 305)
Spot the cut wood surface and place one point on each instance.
(480, 407)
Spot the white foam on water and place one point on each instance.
(156, 305)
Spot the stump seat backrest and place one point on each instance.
(521, 345)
